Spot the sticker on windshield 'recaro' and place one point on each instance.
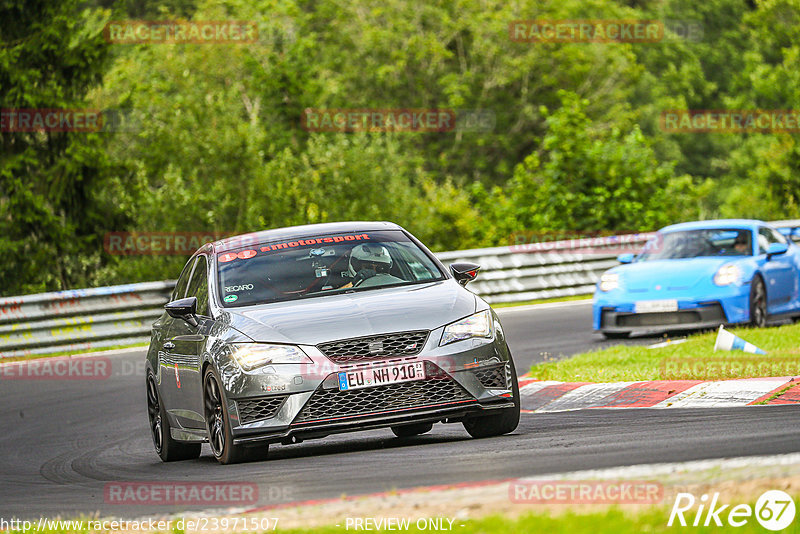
(234, 289)
(315, 241)
(231, 298)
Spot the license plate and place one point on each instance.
(656, 306)
(379, 376)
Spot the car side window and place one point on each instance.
(198, 286)
(762, 243)
(766, 237)
(183, 281)
(777, 236)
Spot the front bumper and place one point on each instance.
(447, 413)
(462, 379)
(614, 316)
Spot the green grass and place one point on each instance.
(694, 359)
(610, 521)
(541, 301)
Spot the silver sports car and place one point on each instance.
(297, 333)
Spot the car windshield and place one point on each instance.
(708, 242)
(321, 265)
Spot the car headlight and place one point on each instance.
(477, 325)
(253, 355)
(609, 281)
(727, 275)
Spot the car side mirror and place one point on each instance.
(625, 258)
(776, 249)
(464, 272)
(185, 309)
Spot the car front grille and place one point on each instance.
(704, 314)
(251, 410)
(374, 347)
(492, 377)
(437, 389)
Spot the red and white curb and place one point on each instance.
(542, 396)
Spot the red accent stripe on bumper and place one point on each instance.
(369, 414)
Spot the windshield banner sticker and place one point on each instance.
(246, 254)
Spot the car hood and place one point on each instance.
(669, 275)
(327, 318)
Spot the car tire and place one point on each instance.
(407, 431)
(167, 448)
(758, 302)
(218, 426)
(616, 335)
(498, 422)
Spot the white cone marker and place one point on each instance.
(729, 341)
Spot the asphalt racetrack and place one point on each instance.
(63, 441)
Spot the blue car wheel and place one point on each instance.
(758, 302)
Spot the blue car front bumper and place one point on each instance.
(614, 312)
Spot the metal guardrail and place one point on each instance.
(80, 319)
(120, 315)
(544, 270)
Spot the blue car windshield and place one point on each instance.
(698, 243)
(321, 265)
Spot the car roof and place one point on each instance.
(299, 232)
(749, 224)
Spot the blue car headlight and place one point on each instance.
(253, 355)
(728, 274)
(477, 325)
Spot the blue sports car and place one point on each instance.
(700, 275)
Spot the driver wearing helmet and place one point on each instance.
(369, 266)
(742, 244)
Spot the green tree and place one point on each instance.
(589, 178)
(341, 177)
(51, 54)
(763, 180)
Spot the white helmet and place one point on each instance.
(369, 254)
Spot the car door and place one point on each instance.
(780, 272)
(187, 342)
(166, 380)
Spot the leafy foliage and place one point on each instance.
(212, 138)
(51, 54)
